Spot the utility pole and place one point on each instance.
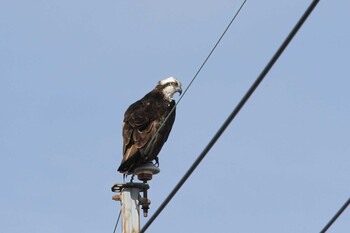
(131, 199)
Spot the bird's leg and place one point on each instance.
(157, 161)
(132, 178)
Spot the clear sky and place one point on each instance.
(69, 70)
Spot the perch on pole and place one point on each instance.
(131, 198)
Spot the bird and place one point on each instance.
(142, 138)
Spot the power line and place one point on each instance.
(194, 77)
(340, 211)
(116, 224)
(233, 114)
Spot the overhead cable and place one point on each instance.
(116, 224)
(233, 114)
(340, 211)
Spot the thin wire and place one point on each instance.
(340, 211)
(233, 114)
(116, 224)
(194, 77)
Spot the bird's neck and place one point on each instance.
(168, 96)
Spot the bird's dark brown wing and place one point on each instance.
(138, 128)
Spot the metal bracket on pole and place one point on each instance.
(145, 173)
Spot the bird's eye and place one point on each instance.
(173, 84)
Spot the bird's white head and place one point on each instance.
(169, 87)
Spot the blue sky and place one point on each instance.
(69, 70)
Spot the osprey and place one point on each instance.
(142, 119)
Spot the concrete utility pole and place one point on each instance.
(130, 210)
(131, 199)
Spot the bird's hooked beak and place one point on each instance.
(179, 90)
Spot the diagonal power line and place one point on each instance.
(116, 223)
(340, 211)
(233, 114)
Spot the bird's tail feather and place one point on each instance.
(129, 165)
